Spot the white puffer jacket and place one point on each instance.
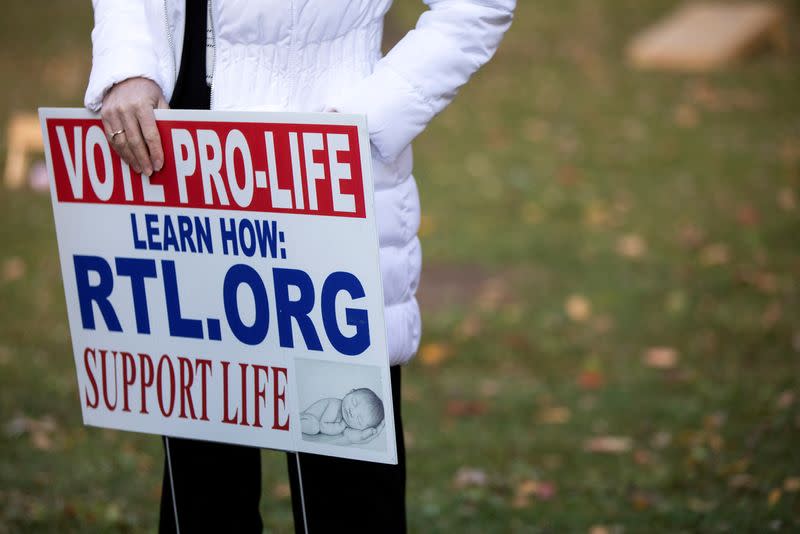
(317, 55)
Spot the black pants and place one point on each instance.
(218, 487)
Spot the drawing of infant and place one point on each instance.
(358, 416)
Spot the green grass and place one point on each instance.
(551, 155)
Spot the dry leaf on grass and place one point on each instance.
(742, 481)
(578, 308)
(470, 327)
(686, 116)
(661, 440)
(13, 269)
(608, 444)
(591, 380)
(433, 354)
(748, 215)
(661, 357)
(792, 484)
(774, 497)
(632, 246)
(554, 415)
(701, 506)
(470, 477)
(641, 500)
(715, 254)
(785, 399)
(40, 430)
(465, 408)
(786, 199)
(527, 489)
(281, 490)
(427, 224)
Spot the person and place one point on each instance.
(294, 55)
(361, 409)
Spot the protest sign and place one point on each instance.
(235, 295)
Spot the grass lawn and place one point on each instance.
(611, 297)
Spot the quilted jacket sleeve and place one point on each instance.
(423, 72)
(122, 48)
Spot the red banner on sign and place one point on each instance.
(262, 167)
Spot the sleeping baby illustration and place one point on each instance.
(358, 415)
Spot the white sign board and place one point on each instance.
(235, 295)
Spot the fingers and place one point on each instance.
(112, 122)
(136, 143)
(152, 140)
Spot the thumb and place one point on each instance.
(162, 104)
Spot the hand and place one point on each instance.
(128, 107)
(357, 437)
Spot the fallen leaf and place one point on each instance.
(632, 246)
(774, 496)
(492, 293)
(599, 529)
(470, 477)
(489, 388)
(41, 440)
(642, 457)
(545, 491)
(785, 399)
(520, 501)
(433, 354)
(790, 150)
(742, 481)
(13, 269)
(578, 308)
(591, 380)
(786, 199)
(715, 254)
(641, 500)
(661, 357)
(661, 440)
(282, 490)
(470, 327)
(691, 236)
(685, 116)
(427, 224)
(602, 324)
(792, 484)
(535, 130)
(568, 175)
(554, 415)
(701, 505)
(608, 444)
(596, 215)
(540, 490)
(772, 314)
(747, 215)
(465, 408)
(409, 439)
(715, 420)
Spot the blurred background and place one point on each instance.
(611, 290)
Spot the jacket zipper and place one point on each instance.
(214, 40)
(171, 43)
